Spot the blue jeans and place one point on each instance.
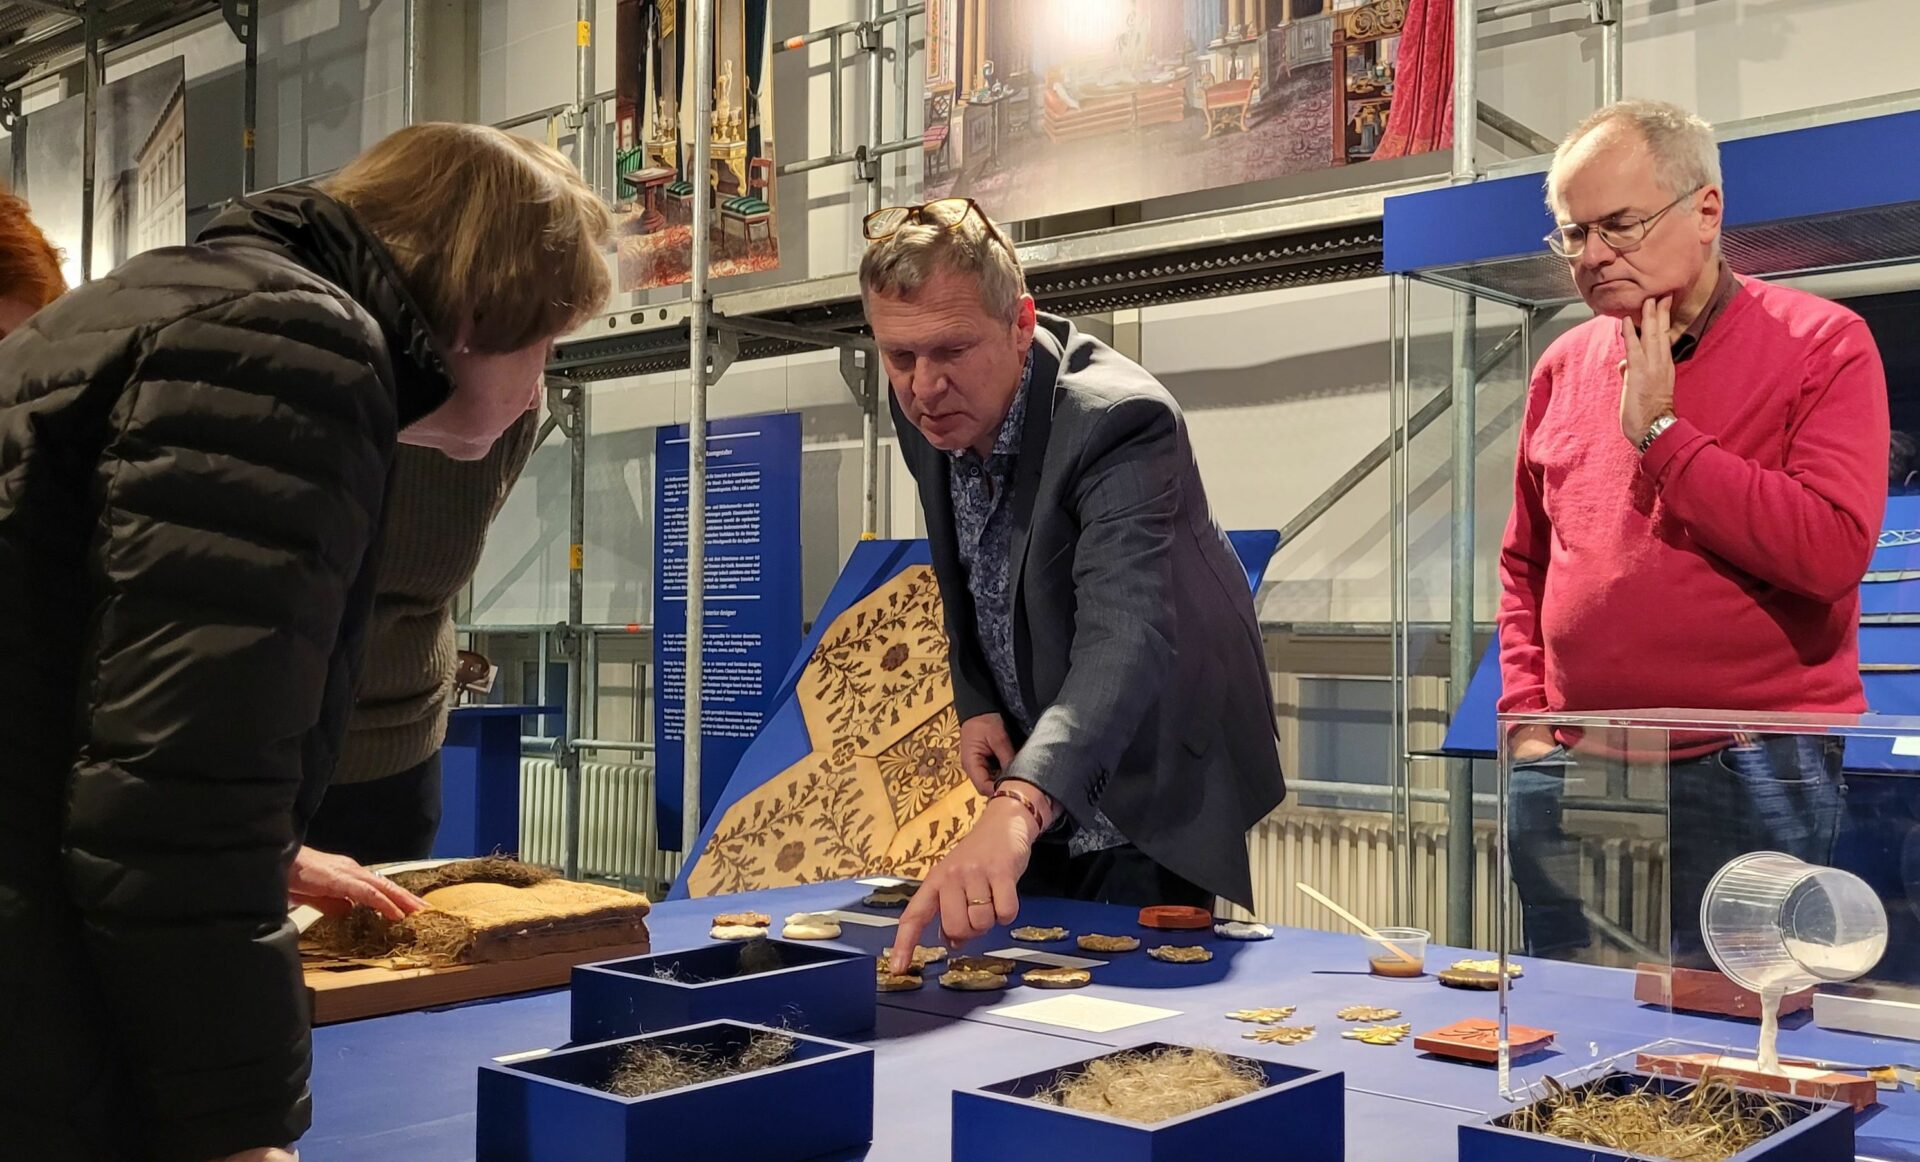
(1776, 793)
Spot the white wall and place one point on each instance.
(331, 74)
(1727, 59)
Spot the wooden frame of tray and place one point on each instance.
(350, 993)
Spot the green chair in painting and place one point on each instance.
(751, 208)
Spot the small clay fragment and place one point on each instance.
(1262, 1016)
(889, 898)
(1175, 917)
(1056, 978)
(1464, 978)
(1094, 942)
(742, 920)
(1280, 1034)
(737, 932)
(972, 979)
(1033, 935)
(1367, 1013)
(808, 926)
(998, 965)
(1180, 954)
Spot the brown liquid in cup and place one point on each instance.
(1391, 965)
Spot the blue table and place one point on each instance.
(403, 1086)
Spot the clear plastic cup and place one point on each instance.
(1774, 923)
(1385, 961)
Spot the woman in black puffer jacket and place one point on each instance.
(193, 452)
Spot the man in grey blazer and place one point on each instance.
(1107, 665)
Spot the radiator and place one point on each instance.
(617, 840)
(1349, 855)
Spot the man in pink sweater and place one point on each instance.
(1699, 487)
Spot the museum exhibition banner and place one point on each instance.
(140, 169)
(752, 624)
(654, 130)
(1042, 107)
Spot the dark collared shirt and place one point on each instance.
(981, 491)
(982, 495)
(1723, 292)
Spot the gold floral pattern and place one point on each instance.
(922, 766)
(882, 792)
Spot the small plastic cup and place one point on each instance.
(1385, 961)
(1776, 923)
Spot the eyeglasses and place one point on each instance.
(945, 213)
(1622, 236)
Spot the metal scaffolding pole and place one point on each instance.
(1400, 294)
(572, 415)
(697, 419)
(90, 117)
(576, 614)
(585, 96)
(1606, 13)
(1460, 642)
(1466, 99)
(242, 20)
(408, 49)
(870, 42)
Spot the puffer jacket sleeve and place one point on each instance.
(239, 494)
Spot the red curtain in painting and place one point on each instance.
(1420, 119)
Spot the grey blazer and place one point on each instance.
(1134, 632)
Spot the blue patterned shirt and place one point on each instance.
(982, 496)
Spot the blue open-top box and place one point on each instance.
(549, 1109)
(1819, 1131)
(818, 989)
(1300, 1115)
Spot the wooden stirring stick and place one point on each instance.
(1354, 920)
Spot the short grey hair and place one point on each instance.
(1685, 154)
(899, 265)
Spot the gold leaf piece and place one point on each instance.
(971, 979)
(888, 982)
(1493, 966)
(1056, 978)
(1379, 1034)
(1367, 1013)
(998, 965)
(1033, 935)
(1262, 1016)
(1180, 954)
(1093, 942)
(1280, 1034)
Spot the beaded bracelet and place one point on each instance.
(1009, 793)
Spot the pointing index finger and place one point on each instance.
(912, 922)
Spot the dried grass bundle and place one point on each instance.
(1708, 1122)
(492, 869)
(647, 1068)
(1152, 1087)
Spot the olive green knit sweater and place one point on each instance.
(438, 510)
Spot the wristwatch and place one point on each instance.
(1660, 423)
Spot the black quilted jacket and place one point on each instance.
(193, 453)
